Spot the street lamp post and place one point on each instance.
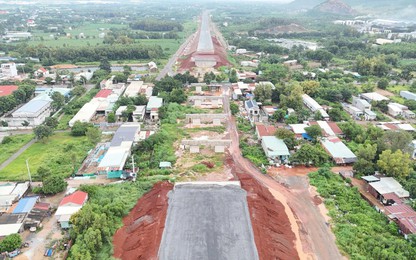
(28, 171)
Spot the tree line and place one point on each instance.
(19, 96)
(156, 25)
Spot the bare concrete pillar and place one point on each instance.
(194, 149)
(219, 149)
(216, 121)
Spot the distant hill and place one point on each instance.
(335, 7)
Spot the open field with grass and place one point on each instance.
(61, 153)
(17, 142)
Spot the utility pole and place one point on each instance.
(132, 162)
(28, 171)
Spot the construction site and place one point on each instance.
(221, 205)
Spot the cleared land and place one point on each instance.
(208, 221)
(17, 142)
(61, 153)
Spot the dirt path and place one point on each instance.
(316, 238)
(15, 155)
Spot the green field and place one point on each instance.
(17, 142)
(60, 154)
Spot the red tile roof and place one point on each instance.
(391, 126)
(7, 90)
(264, 130)
(78, 197)
(42, 69)
(104, 93)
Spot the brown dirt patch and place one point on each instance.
(272, 230)
(317, 200)
(140, 236)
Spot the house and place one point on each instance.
(369, 115)
(70, 205)
(138, 113)
(11, 193)
(408, 95)
(404, 216)
(25, 205)
(299, 130)
(373, 96)
(394, 126)
(264, 130)
(9, 69)
(253, 110)
(387, 190)
(137, 87)
(338, 151)
(275, 149)
(41, 72)
(314, 106)
(7, 90)
(86, 113)
(11, 224)
(116, 156)
(154, 102)
(361, 104)
(268, 111)
(399, 110)
(152, 66)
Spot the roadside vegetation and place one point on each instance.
(361, 231)
(11, 144)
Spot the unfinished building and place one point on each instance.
(194, 145)
(205, 119)
(205, 101)
(208, 220)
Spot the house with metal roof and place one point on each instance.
(70, 205)
(275, 149)
(338, 151)
(25, 205)
(314, 106)
(11, 224)
(385, 187)
(373, 96)
(154, 102)
(405, 217)
(34, 112)
(408, 95)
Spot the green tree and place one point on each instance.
(233, 76)
(279, 115)
(42, 132)
(54, 184)
(366, 154)
(317, 116)
(10, 243)
(78, 90)
(111, 117)
(395, 164)
(140, 100)
(310, 87)
(79, 129)
(335, 114)
(49, 80)
(105, 65)
(58, 100)
(314, 131)
(52, 122)
(283, 133)
(395, 140)
(263, 92)
(310, 155)
(383, 83)
(234, 108)
(291, 119)
(43, 173)
(93, 134)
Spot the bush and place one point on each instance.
(6, 140)
(200, 168)
(10, 243)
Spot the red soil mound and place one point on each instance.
(272, 231)
(140, 236)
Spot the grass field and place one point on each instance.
(60, 154)
(397, 88)
(18, 141)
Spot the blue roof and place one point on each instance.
(25, 205)
(251, 103)
(307, 137)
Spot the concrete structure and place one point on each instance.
(275, 149)
(204, 56)
(70, 205)
(361, 104)
(339, 152)
(34, 112)
(138, 113)
(138, 88)
(206, 101)
(11, 193)
(154, 102)
(399, 110)
(253, 110)
(199, 119)
(314, 106)
(194, 145)
(208, 220)
(408, 95)
(9, 69)
(373, 96)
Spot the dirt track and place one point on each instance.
(309, 225)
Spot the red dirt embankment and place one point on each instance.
(141, 234)
(273, 234)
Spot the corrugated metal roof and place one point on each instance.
(275, 147)
(154, 102)
(25, 205)
(337, 149)
(388, 185)
(9, 229)
(125, 133)
(33, 107)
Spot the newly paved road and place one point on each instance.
(208, 221)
